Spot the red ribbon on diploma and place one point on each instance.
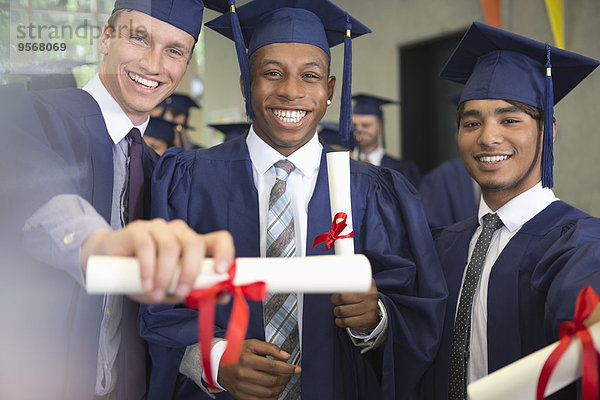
(204, 301)
(586, 303)
(337, 226)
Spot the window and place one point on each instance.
(45, 31)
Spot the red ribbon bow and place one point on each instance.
(586, 303)
(204, 301)
(337, 226)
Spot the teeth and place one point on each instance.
(289, 116)
(492, 158)
(144, 82)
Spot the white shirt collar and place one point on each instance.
(522, 208)
(117, 122)
(374, 157)
(307, 158)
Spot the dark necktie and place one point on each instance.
(459, 355)
(280, 311)
(132, 362)
(136, 176)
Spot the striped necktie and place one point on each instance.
(459, 354)
(280, 311)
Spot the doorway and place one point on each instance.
(428, 115)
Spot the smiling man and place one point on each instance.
(512, 270)
(269, 189)
(81, 165)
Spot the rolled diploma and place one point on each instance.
(519, 380)
(338, 172)
(315, 274)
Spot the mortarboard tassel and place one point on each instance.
(240, 48)
(345, 107)
(547, 153)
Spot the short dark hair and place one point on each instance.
(534, 112)
(112, 20)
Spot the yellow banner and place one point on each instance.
(556, 17)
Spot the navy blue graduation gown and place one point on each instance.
(447, 194)
(533, 286)
(409, 169)
(213, 189)
(57, 143)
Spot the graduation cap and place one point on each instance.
(317, 22)
(51, 74)
(330, 134)
(454, 98)
(366, 104)
(232, 130)
(160, 129)
(179, 102)
(496, 64)
(183, 14)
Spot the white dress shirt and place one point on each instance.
(374, 157)
(514, 215)
(300, 187)
(118, 126)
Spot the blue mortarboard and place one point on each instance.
(232, 130)
(496, 64)
(179, 102)
(160, 129)
(183, 14)
(317, 22)
(366, 104)
(330, 133)
(454, 98)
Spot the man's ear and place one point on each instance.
(242, 87)
(330, 86)
(104, 41)
(554, 131)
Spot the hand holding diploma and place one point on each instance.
(357, 310)
(159, 248)
(353, 310)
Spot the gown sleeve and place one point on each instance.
(394, 235)
(169, 329)
(566, 268)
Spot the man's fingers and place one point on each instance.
(167, 257)
(193, 253)
(275, 365)
(265, 349)
(219, 245)
(346, 298)
(364, 322)
(144, 249)
(352, 310)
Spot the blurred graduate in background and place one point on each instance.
(368, 120)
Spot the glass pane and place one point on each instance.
(102, 18)
(15, 3)
(5, 42)
(62, 5)
(50, 36)
(105, 6)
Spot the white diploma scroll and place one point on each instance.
(518, 381)
(315, 274)
(338, 172)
